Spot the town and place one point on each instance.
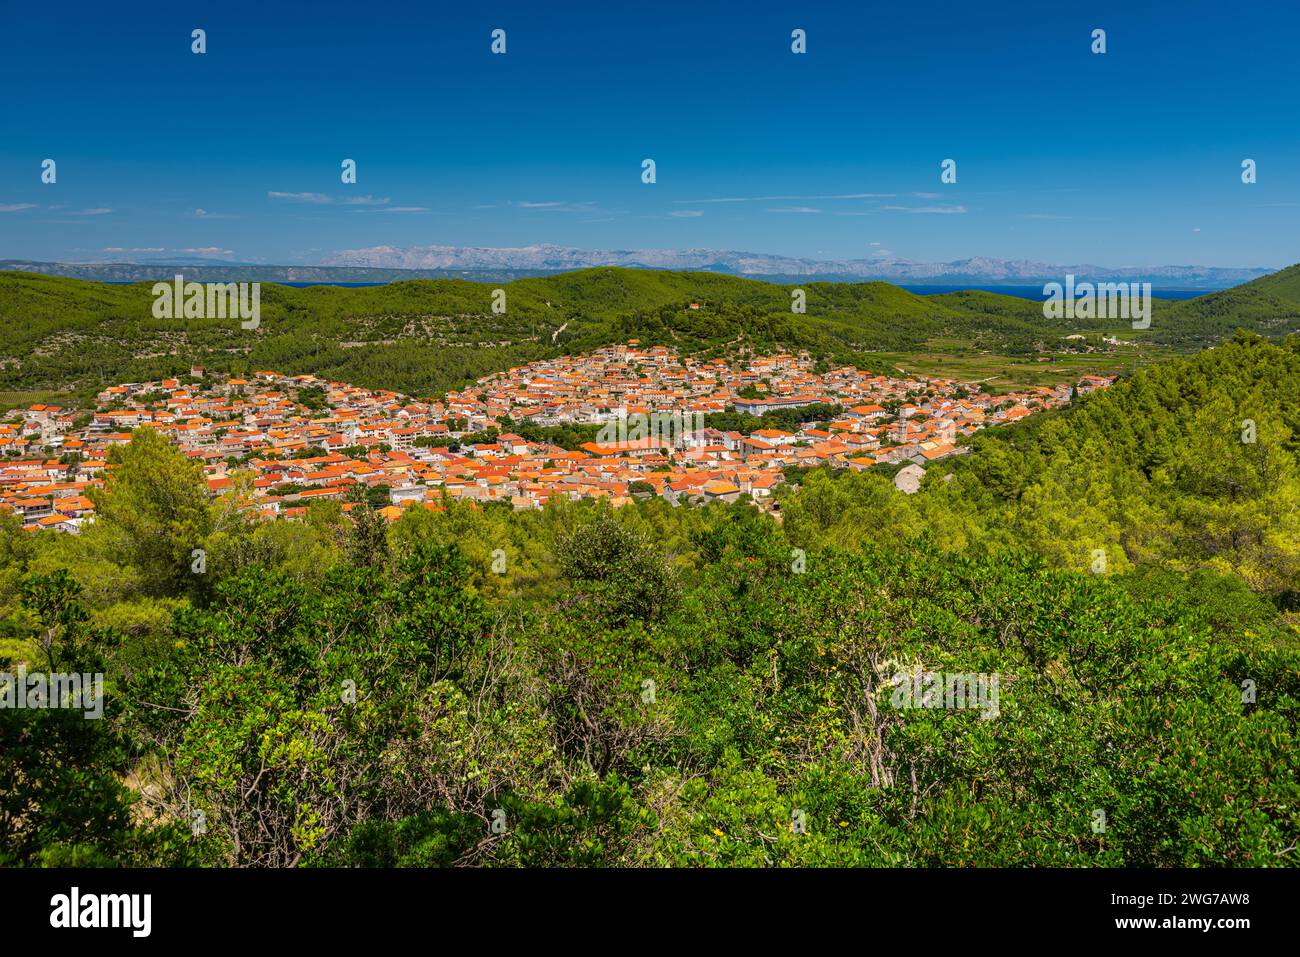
(641, 415)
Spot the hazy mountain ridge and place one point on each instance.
(981, 269)
(487, 264)
(216, 271)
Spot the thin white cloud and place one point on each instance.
(15, 207)
(96, 211)
(558, 206)
(932, 210)
(200, 250)
(686, 213)
(320, 199)
(794, 209)
(785, 199)
(395, 209)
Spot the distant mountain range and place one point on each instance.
(392, 263)
(220, 270)
(980, 270)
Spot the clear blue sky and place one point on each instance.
(1131, 158)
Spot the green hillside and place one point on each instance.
(1284, 284)
(1156, 475)
(653, 686)
(1269, 306)
(70, 337)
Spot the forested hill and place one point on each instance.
(424, 336)
(1191, 466)
(1269, 306)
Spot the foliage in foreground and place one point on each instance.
(685, 687)
(386, 714)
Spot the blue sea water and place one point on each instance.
(1035, 293)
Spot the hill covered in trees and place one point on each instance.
(425, 336)
(697, 687)
(1188, 466)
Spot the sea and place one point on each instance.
(1035, 293)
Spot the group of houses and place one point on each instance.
(281, 442)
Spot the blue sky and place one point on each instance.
(1127, 158)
